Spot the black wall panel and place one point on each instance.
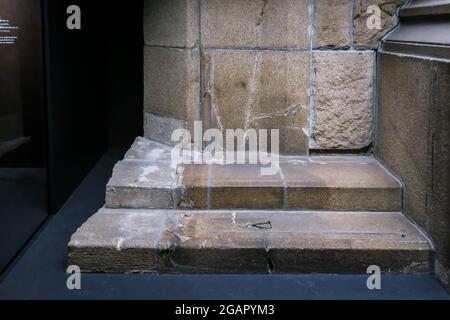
(76, 68)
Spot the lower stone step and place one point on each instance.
(239, 242)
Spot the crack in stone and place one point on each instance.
(260, 21)
(282, 113)
(211, 85)
(261, 225)
(252, 90)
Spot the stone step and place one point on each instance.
(313, 183)
(148, 179)
(237, 242)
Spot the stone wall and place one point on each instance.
(413, 139)
(305, 67)
(413, 133)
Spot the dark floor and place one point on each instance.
(39, 273)
(19, 219)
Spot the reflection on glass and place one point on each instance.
(23, 164)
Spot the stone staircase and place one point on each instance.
(319, 214)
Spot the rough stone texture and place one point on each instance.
(343, 100)
(161, 128)
(117, 241)
(341, 183)
(147, 178)
(243, 186)
(141, 184)
(413, 140)
(194, 183)
(248, 242)
(333, 23)
(188, 245)
(171, 83)
(149, 150)
(171, 23)
(258, 90)
(369, 38)
(255, 23)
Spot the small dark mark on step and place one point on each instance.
(264, 225)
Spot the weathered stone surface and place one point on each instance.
(194, 182)
(187, 246)
(327, 256)
(333, 23)
(161, 128)
(343, 100)
(413, 141)
(171, 83)
(341, 183)
(252, 24)
(171, 23)
(313, 183)
(258, 90)
(142, 184)
(243, 186)
(117, 241)
(150, 150)
(369, 38)
(249, 242)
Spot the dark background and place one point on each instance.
(94, 86)
(79, 92)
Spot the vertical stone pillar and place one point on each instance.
(171, 67)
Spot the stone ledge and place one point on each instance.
(314, 183)
(148, 179)
(215, 242)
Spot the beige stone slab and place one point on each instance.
(333, 26)
(160, 129)
(171, 83)
(245, 175)
(243, 186)
(118, 241)
(321, 183)
(343, 100)
(253, 24)
(189, 245)
(194, 183)
(366, 37)
(173, 23)
(391, 227)
(149, 150)
(361, 184)
(345, 172)
(142, 184)
(312, 257)
(246, 89)
(234, 241)
(358, 199)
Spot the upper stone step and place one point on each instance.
(239, 241)
(313, 183)
(147, 178)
